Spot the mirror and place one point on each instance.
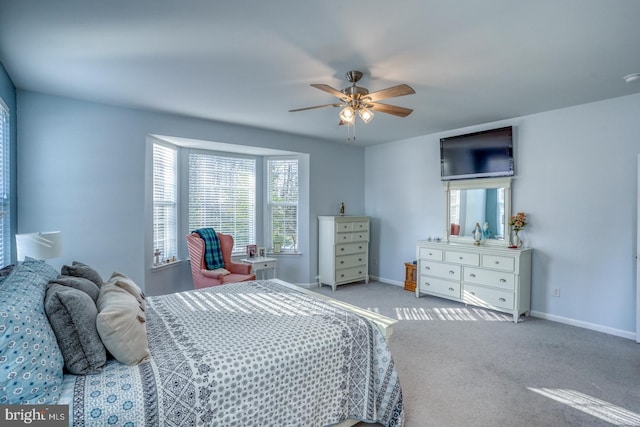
(486, 202)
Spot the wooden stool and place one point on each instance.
(410, 277)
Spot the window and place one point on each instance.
(454, 207)
(5, 223)
(282, 202)
(222, 195)
(165, 198)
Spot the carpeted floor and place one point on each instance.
(465, 366)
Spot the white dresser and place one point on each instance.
(343, 249)
(493, 277)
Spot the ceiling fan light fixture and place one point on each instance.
(365, 114)
(347, 114)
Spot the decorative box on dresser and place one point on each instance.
(493, 277)
(343, 249)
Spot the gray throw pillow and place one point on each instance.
(79, 269)
(72, 315)
(80, 283)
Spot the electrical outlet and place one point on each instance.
(556, 292)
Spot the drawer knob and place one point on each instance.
(452, 272)
(503, 281)
(342, 249)
(342, 275)
(341, 262)
(497, 262)
(472, 293)
(427, 284)
(359, 247)
(359, 272)
(461, 257)
(360, 259)
(472, 275)
(501, 299)
(426, 267)
(430, 253)
(451, 289)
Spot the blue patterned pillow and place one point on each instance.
(41, 267)
(30, 360)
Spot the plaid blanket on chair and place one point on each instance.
(212, 251)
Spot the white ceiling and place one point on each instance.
(249, 62)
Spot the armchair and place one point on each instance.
(203, 278)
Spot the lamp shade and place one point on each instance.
(39, 246)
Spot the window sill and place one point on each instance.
(283, 253)
(158, 267)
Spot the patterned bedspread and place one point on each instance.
(246, 354)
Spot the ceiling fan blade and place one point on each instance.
(391, 92)
(391, 109)
(332, 91)
(313, 108)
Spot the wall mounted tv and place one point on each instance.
(477, 155)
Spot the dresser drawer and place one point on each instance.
(352, 226)
(439, 286)
(477, 295)
(350, 248)
(429, 253)
(344, 237)
(437, 269)
(352, 236)
(505, 263)
(344, 261)
(497, 279)
(464, 258)
(348, 274)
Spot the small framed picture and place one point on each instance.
(262, 252)
(252, 250)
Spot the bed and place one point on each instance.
(259, 353)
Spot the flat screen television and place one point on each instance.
(482, 154)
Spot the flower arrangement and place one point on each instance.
(518, 221)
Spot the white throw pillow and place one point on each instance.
(126, 283)
(121, 325)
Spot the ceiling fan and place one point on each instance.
(356, 99)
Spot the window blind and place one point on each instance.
(222, 195)
(165, 197)
(282, 201)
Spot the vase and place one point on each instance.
(516, 240)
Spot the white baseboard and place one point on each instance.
(387, 281)
(592, 326)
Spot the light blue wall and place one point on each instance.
(81, 170)
(576, 180)
(8, 95)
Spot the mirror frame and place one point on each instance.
(471, 184)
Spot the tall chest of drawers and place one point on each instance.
(487, 276)
(343, 249)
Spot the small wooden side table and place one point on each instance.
(410, 277)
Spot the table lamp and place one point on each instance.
(39, 246)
